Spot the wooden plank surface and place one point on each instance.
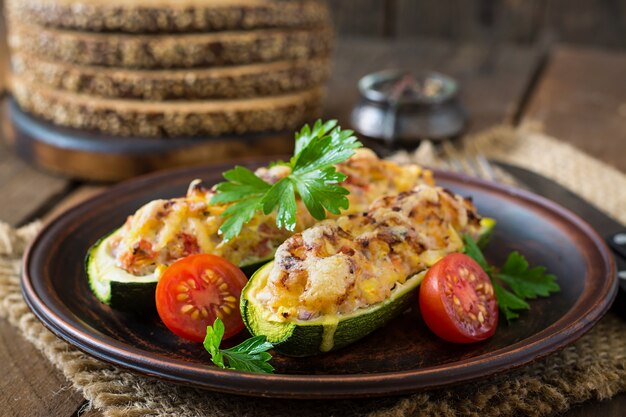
(24, 189)
(581, 99)
(493, 81)
(585, 22)
(360, 17)
(75, 197)
(30, 385)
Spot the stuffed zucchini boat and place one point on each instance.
(341, 279)
(124, 267)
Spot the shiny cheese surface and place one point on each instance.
(354, 261)
(164, 231)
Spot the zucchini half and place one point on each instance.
(312, 337)
(127, 292)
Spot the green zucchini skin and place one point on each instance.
(307, 338)
(135, 296)
(122, 291)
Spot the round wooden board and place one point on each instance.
(98, 157)
(402, 357)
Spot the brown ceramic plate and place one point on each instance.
(399, 358)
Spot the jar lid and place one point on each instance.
(403, 87)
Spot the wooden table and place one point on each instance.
(575, 94)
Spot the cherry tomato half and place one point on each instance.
(457, 300)
(195, 290)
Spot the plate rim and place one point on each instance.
(338, 385)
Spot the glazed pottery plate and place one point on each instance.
(402, 357)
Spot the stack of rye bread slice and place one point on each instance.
(170, 68)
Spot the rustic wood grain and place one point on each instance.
(588, 22)
(359, 17)
(23, 189)
(578, 21)
(75, 197)
(493, 81)
(30, 385)
(581, 99)
(518, 21)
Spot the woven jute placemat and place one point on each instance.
(592, 368)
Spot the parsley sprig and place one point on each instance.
(523, 282)
(313, 177)
(250, 355)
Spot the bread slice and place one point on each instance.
(255, 80)
(168, 119)
(169, 51)
(149, 16)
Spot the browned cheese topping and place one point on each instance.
(356, 260)
(164, 231)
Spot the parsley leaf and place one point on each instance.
(473, 251)
(515, 282)
(313, 178)
(509, 302)
(526, 282)
(281, 197)
(250, 355)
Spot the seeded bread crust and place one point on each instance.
(171, 16)
(168, 119)
(256, 80)
(169, 51)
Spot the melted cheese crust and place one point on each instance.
(164, 231)
(354, 261)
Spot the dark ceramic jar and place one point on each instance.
(399, 109)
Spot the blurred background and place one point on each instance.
(585, 22)
(106, 90)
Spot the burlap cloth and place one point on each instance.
(592, 368)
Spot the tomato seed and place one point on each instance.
(182, 297)
(481, 318)
(186, 308)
